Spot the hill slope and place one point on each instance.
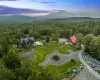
(60, 16)
(73, 19)
(25, 19)
(15, 19)
(64, 14)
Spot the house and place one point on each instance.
(72, 40)
(26, 42)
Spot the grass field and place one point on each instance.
(64, 69)
(48, 48)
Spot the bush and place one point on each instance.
(56, 58)
(72, 60)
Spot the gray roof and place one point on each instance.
(27, 39)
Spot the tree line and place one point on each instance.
(12, 67)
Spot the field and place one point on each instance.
(48, 48)
(62, 70)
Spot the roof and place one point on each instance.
(73, 39)
(26, 40)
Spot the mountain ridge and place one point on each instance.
(6, 10)
(25, 19)
(56, 16)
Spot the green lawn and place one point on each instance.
(61, 70)
(63, 48)
(48, 48)
(42, 52)
(64, 69)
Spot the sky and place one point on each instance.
(68, 5)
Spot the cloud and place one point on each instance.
(1, 9)
(9, 0)
(47, 2)
(42, 1)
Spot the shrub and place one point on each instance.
(56, 58)
(72, 60)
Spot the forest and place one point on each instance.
(12, 67)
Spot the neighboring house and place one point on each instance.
(26, 42)
(72, 40)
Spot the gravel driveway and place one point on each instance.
(28, 55)
(63, 58)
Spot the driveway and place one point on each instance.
(92, 73)
(81, 76)
(28, 55)
(88, 73)
(63, 58)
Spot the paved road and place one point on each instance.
(88, 73)
(81, 76)
(93, 73)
